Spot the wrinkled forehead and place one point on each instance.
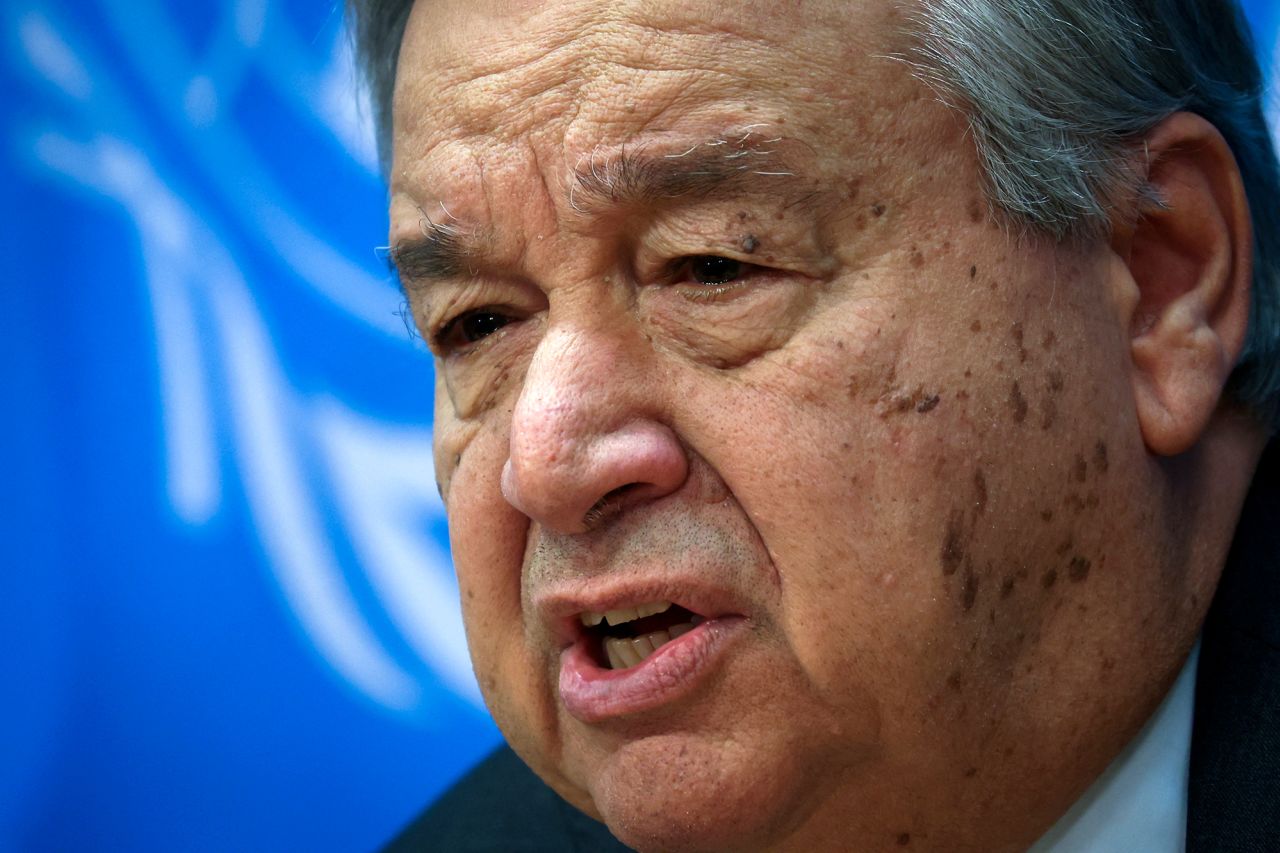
(572, 75)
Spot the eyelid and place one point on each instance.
(439, 341)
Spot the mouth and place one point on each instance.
(620, 639)
(641, 657)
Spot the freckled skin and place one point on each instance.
(795, 438)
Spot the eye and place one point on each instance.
(714, 269)
(470, 327)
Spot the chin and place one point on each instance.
(678, 793)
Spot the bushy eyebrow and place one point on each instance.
(639, 176)
(634, 176)
(441, 251)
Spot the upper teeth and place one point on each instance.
(626, 614)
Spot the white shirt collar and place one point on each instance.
(1140, 800)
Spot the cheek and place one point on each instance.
(487, 539)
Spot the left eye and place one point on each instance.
(714, 269)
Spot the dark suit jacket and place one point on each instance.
(1234, 792)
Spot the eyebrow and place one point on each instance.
(629, 177)
(638, 176)
(440, 252)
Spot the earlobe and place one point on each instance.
(1187, 259)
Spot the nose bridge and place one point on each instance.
(588, 429)
(564, 398)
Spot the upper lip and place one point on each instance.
(560, 608)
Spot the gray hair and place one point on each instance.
(1058, 94)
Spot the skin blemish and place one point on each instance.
(1049, 340)
(1078, 570)
(897, 399)
(1100, 456)
(928, 404)
(1081, 469)
(952, 554)
(1017, 403)
(973, 272)
(904, 839)
(1049, 414)
(750, 243)
(1046, 515)
(971, 772)
(955, 681)
(742, 216)
(1016, 331)
(968, 589)
(1007, 586)
(975, 326)
(1055, 381)
(1091, 500)
(917, 258)
(877, 210)
(1064, 546)
(979, 490)
(1074, 502)
(1049, 579)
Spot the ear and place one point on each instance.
(1187, 265)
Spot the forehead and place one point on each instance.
(569, 77)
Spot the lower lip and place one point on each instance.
(592, 694)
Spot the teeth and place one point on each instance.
(643, 646)
(624, 653)
(626, 614)
(617, 617)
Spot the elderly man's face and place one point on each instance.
(721, 321)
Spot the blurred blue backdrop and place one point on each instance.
(227, 613)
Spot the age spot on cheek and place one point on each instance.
(952, 553)
(1100, 456)
(1017, 403)
(1048, 414)
(968, 588)
(1016, 332)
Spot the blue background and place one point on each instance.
(227, 613)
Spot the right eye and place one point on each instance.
(468, 328)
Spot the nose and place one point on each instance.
(586, 441)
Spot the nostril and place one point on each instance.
(609, 505)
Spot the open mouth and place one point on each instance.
(619, 639)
